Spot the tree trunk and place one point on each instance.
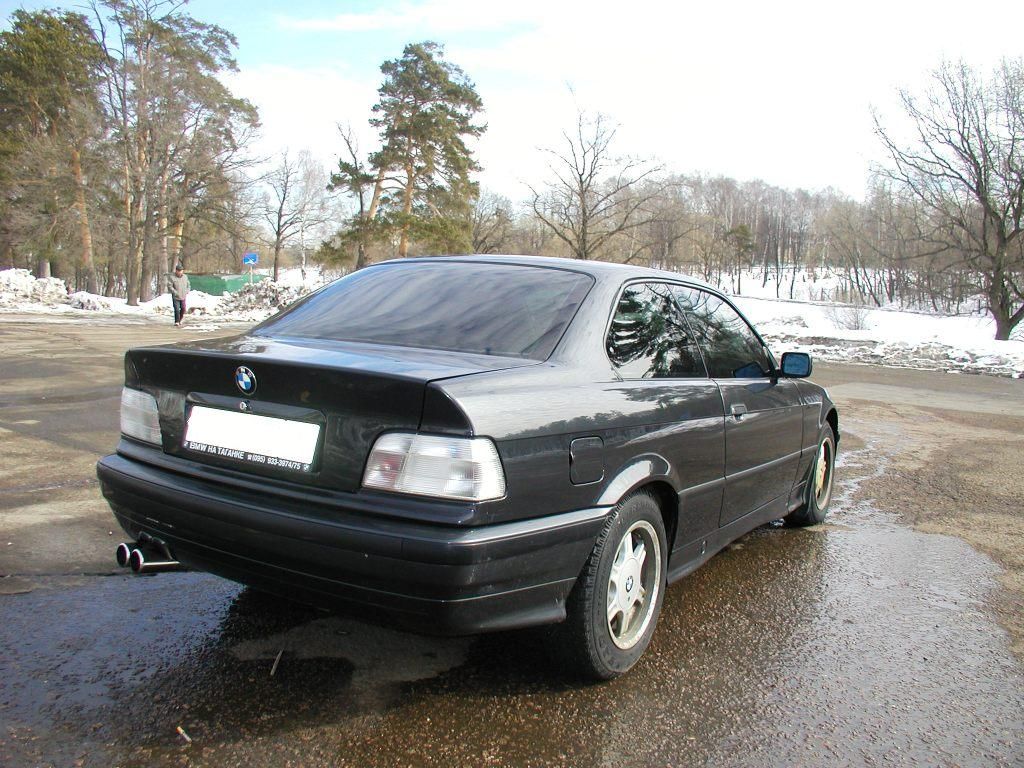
(83, 222)
(403, 243)
(366, 216)
(1006, 320)
(148, 261)
(179, 233)
(134, 282)
(163, 264)
(378, 189)
(1001, 306)
(132, 203)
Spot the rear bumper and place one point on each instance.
(432, 578)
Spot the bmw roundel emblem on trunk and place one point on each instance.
(245, 379)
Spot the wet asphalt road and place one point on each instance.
(859, 642)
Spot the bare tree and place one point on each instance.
(594, 195)
(296, 200)
(161, 96)
(356, 178)
(661, 240)
(492, 223)
(965, 165)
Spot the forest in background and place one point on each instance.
(123, 152)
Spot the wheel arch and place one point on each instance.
(832, 418)
(668, 502)
(651, 474)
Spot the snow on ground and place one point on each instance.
(896, 338)
(23, 293)
(848, 333)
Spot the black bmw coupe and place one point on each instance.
(470, 444)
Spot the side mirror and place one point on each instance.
(796, 365)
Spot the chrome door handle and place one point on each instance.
(738, 409)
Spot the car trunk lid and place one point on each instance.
(319, 406)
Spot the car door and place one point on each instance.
(763, 424)
(675, 410)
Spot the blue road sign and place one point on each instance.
(251, 258)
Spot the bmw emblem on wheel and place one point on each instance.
(245, 379)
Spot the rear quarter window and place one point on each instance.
(649, 338)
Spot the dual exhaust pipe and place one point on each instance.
(147, 555)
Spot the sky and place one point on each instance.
(780, 91)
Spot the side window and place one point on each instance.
(730, 347)
(649, 337)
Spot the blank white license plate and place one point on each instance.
(254, 439)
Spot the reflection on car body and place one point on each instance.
(470, 444)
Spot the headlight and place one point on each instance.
(466, 468)
(140, 417)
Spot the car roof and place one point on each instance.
(597, 269)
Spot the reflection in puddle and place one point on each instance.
(378, 655)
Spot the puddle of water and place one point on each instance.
(858, 642)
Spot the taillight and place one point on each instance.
(464, 468)
(140, 417)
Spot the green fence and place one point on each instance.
(218, 285)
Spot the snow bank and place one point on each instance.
(16, 282)
(260, 300)
(92, 302)
(21, 292)
(900, 339)
(200, 303)
(887, 336)
(20, 286)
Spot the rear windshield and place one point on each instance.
(491, 309)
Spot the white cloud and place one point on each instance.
(779, 90)
(300, 108)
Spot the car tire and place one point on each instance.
(613, 609)
(819, 483)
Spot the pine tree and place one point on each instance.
(424, 116)
(49, 65)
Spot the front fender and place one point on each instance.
(817, 407)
